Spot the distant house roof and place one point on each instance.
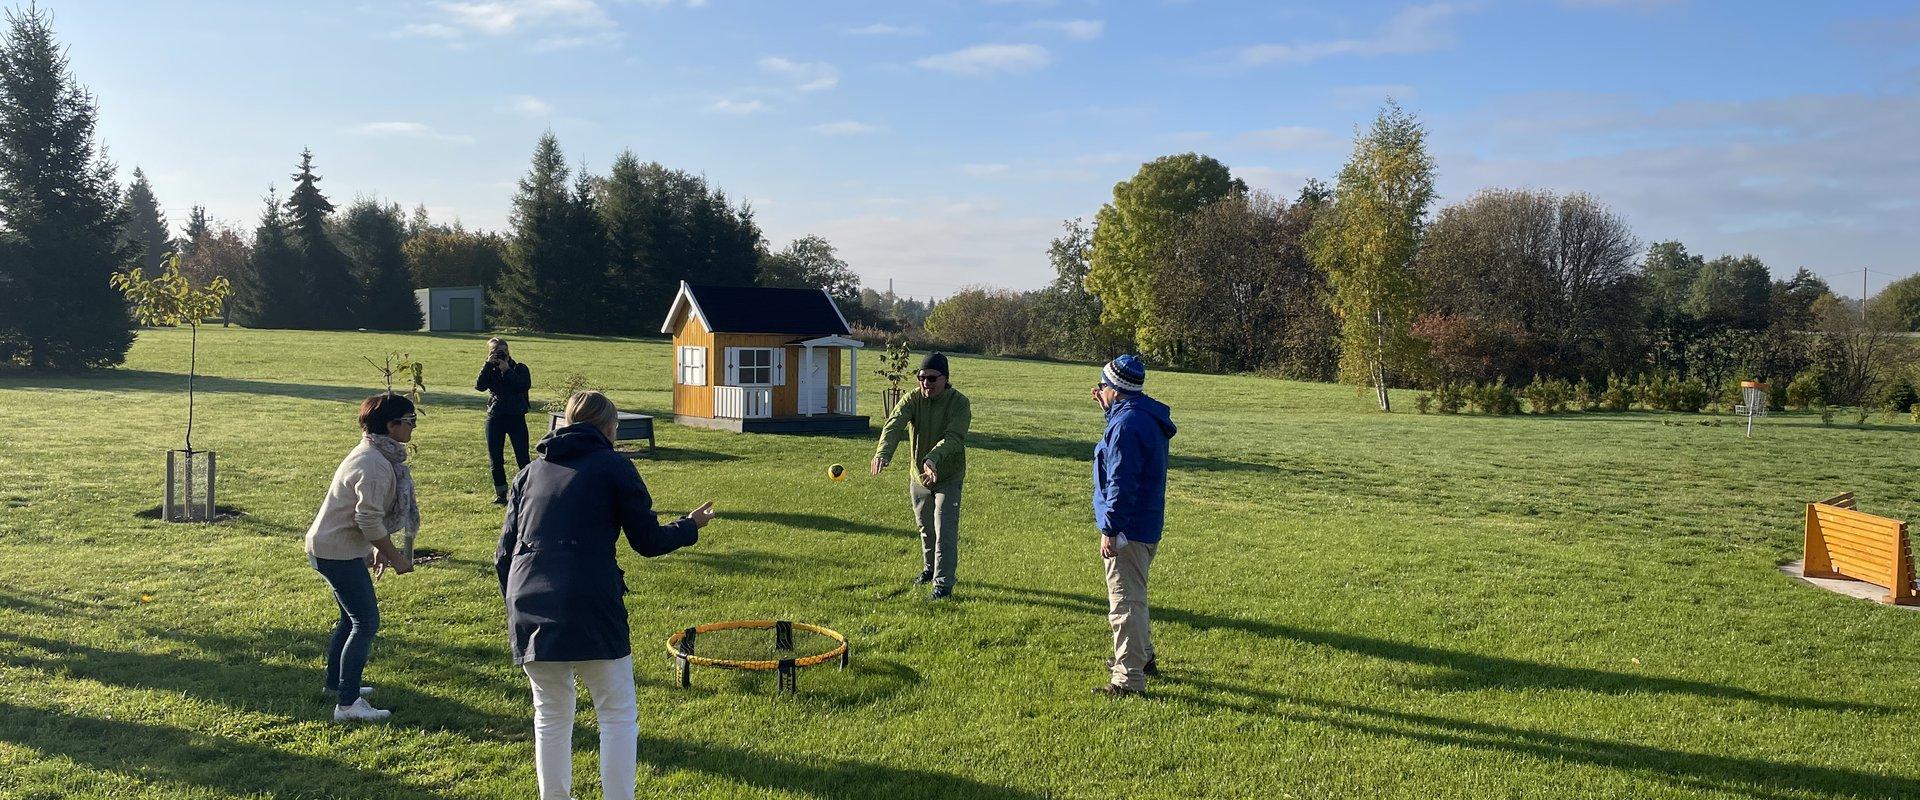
(755, 309)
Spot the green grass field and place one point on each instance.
(1347, 604)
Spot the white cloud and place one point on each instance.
(1080, 29)
(524, 105)
(987, 59)
(883, 29)
(1416, 29)
(564, 23)
(738, 108)
(1292, 137)
(806, 76)
(409, 130)
(845, 128)
(937, 245)
(984, 170)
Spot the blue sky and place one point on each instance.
(941, 143)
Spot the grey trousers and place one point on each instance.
(1127, 613)
(937, 512)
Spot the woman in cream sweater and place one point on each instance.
(370, 499)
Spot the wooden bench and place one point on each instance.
(633, 427)
(1842, 542)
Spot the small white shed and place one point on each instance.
(452, 308)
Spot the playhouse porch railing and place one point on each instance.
(742, 402)
(843, 400)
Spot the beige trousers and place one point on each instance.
(1127, 613)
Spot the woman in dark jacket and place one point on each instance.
(506, 382)
(565, 612)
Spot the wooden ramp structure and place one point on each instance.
(1843, 542)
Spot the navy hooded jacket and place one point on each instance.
(556, 560)
(1130, 469)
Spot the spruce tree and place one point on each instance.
(588, 304)
(528, 294)
(372, 236)
(60, 215)
(331, 292)
(147, 236)
(271, 292)
(637, 282)
(198, 229)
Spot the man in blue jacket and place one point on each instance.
(1129, 507)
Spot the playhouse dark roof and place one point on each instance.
(755, 309)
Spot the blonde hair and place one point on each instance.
(497, 343)
(592, 407)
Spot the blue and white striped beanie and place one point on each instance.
(1125, 373)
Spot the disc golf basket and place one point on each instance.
(1755, 395)
(681, 646)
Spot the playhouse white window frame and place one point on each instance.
(774, 366)
(692, 363)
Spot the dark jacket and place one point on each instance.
(1130, 469)
(556, 561)
(506, 392)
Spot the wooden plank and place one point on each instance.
(1843, 500)
(1814, 546)
(1855, 517)
(1887, 528)
(1864, 547)
(1858, 553)
(1887, 535)
(1879, 576)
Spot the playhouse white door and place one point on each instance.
(813, 385)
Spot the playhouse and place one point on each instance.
(755, 359)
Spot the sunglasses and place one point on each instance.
(411, 420)
(928, 377)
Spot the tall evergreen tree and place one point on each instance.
(147, 235)
(271, 292)
(198, 229)
(588, 295)
(372, 236)
(61, 220)
(332, 294)
(529, 292)
(1366, 242)
(635, 271)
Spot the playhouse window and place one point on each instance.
(756, 366)
(693, 366)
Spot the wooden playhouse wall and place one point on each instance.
(697, 401)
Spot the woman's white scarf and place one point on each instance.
(404, 516)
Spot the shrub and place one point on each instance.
(1900, 395)
(1618, 395)
(1689, 395)
(1777, 395)
(1807, 390)
(1450, 397)
(1496, 398)
(1422, 402)
(1584, 397)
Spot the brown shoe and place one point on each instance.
(1116, 691)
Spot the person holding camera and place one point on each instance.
(369, 499)
(506, 383)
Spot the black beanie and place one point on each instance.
(936, 362)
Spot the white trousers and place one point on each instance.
(610, 682)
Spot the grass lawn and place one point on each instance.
(1347, 604)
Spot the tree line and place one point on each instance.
(1361, 281)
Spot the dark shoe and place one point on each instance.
(941, 593)
(924, 579)
(1152, 667)
(1116, 691)
(500, 499)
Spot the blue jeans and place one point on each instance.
(359, 621)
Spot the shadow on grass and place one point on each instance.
(1082, 450)
(818, 522)
(676, 454)
(747, 562)
(1751, 776)
(1468, 671)
(150, 381)
(171, 754)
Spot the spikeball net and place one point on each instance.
(732, 645)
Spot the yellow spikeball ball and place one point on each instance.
(837, 472)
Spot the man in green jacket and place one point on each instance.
(935, 419)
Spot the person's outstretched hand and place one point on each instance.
(928, 475)
(877, 465)
(702, 515)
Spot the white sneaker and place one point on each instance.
(359, 712)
